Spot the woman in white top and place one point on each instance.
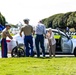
(52, 42)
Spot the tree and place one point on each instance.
(61, 20)
(2, 19)
(71, 21)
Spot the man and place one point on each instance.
(5, 33)
(28, 39)
(67, 29)
(40, 31)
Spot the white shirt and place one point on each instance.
(53, 41)
(40, 29)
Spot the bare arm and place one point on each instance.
(8, 34)
(21, 32)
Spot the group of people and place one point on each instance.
(27, 29)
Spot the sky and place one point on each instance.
(17, 10)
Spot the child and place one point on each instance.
(5, 33)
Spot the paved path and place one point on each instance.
(60, 56)
(9, 55)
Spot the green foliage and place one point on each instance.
(65, 18)
(38, 66)
(2, 19)
(61, 20)
(72, 19)
(45, 22)
(57, 22)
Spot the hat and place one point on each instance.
(26, 19)
(7, 24)
(40, 21)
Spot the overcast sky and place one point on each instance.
(16, 10)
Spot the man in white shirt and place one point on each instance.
(40, 31)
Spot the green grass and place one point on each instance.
(38, 66)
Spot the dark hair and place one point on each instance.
(7, 25)
(41, 21)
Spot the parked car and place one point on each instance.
(64, 44)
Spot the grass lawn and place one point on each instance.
(38, 66)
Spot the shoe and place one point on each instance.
(38, 56)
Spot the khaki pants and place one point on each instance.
(52, 50)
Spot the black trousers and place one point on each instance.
(39, 42)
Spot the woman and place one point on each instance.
(52, 42)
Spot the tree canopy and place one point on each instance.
(2, 19)
(61, 20)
